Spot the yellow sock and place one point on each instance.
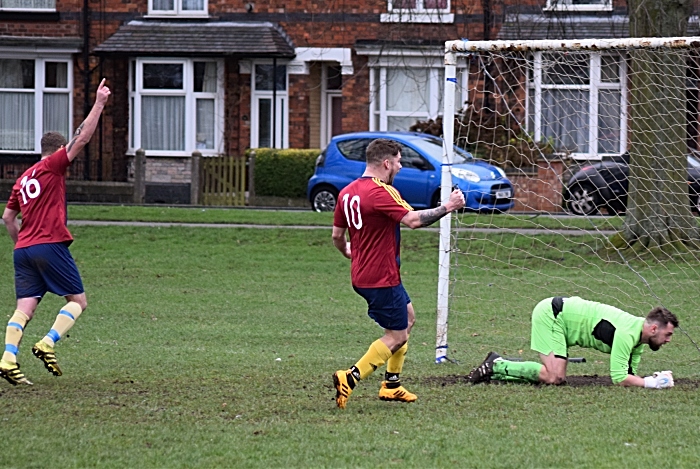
(13, 336)
(64, 321)
(395, 362)
(375, 357)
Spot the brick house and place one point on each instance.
(220, 77)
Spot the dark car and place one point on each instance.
(486, 187)
(603, 186)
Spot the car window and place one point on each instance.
(433, 147)
(408, 154)
(354, 149)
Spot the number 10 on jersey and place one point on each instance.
(352, 210)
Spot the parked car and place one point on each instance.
(485, 187)
(603, 186)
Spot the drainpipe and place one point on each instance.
(99, 150)
(488, 84)
(86, 80)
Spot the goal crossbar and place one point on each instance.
(588, 45)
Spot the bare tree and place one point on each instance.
(658, 217)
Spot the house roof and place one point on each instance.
(250, 39)
(570, 26)
(68, 44)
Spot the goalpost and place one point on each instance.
(583, 127)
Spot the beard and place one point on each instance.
(654, 346)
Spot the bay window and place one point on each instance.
(418, 11)
(576, 101)
(184, 8)
(402, 96)
(28, 5)
(35, 97)
(176, 106)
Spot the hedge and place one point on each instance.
(283, 173)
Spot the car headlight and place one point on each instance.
(465, 174)
(500, 171)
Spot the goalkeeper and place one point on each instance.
(559, 323)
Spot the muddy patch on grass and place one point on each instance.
(573, 381)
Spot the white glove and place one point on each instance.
(665, 379)
(659, 380)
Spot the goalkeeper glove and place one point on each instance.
(659, 380)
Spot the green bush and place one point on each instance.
(283, 173)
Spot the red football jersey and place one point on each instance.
(371, 211)
(40, 195)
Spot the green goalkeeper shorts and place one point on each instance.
(547, 331)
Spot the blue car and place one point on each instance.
(486, 187)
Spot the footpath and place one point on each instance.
(522, 231)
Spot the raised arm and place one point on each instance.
(421, 218)
(84, 132)
(9, 216)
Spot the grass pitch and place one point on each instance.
(215, 348)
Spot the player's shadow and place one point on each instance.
(573, 381)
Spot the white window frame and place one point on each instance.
(566, 5)
(419, 14)
(37, 10)
(282, 129)
(136, 92)
(39, 90)
(178, 11)
(594, 86)
(379, 115)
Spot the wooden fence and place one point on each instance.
(222, 180)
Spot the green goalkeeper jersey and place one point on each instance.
(607, 329)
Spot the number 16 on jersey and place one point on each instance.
(30, 187)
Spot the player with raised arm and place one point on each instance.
(559, 323)
(42, 260)
(371, 210)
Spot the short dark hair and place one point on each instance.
(662, 316)
(381, 149)
(51, 142)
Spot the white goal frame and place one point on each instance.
(461, 47)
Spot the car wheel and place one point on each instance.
(435, 201)
(323, 199)
(583, 199)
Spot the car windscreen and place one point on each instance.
(693, 162)
(433, 147)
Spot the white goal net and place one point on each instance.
(598, 140)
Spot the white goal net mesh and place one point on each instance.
(598, 142)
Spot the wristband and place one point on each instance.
(651, 382)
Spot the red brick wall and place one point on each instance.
(540, 191)
(236, 129)
(298, 95)
(238, 104)
(356, 96)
